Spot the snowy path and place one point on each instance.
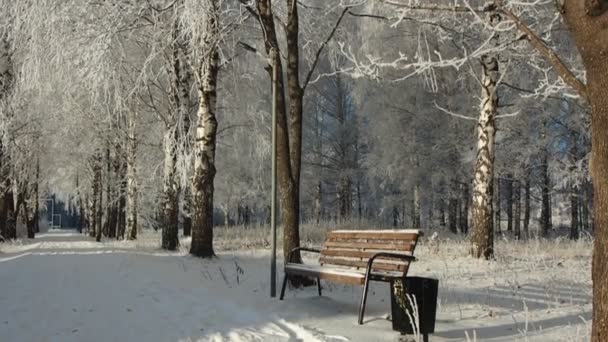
(65, 287)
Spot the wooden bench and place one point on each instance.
(357, 256)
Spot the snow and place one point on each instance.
(326, 270)
(66, 287)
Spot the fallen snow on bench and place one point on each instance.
(65, 287)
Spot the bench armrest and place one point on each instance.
(405, 257)
(298, 249)
(370, 262)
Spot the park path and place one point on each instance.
(64, 286)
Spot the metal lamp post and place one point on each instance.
(273, 197)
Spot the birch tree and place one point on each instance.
(206, 130)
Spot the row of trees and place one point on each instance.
(154, 80)
(130, 104)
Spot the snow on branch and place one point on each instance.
(539, 45)
(510, 115)
(460, 116)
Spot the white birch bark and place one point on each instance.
(170, 239)
(482, 239)
(204, 145)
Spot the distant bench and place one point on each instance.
(357, 256)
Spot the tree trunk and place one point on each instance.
(131, 214)
(187, 210)
(36, 196)
(170, 194)
(7, 214)
(498, 207)
(597, 76)
(206, 130)
(574, 218)
(170, 239)
(586, 203)
(574, 193)
(289, 137)
(441, 204)
(291, 216)
(183, 102)
(3, 212)
(108, 208)
(517, 209)
(359, 204)
(545, 215)
(99, 210)
(318, 203)
(79, 199)
(122, 204)
(21, 211)
(81, 214)
(7, 229)
(96, 228)
(464, 214)
(29, 217)
(92, 202)
(453, 208)
(509, 195)
(527, 202)
(482, 238)
(344, 198)
(111, 194)
(587, 21)
(395, 216)
(24, 212)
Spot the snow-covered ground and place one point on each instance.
(66, 287)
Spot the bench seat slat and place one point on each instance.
(389, 247)
(359, 254)
(378, 235)
(344, 276)
(337, 275)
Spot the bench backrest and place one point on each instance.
(353, 248)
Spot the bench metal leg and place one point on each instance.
(319, 285)
(284, 286)
(364, 298)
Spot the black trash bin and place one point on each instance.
(425, 291)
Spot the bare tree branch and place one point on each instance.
(460, 116)
(539, 45)
(320, 50)
(435, 7)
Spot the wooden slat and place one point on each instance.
(382, 230)
(380, 235)
(356, 254)
(400, 267)
(343, 279)
(330, 275)
(393, 246)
